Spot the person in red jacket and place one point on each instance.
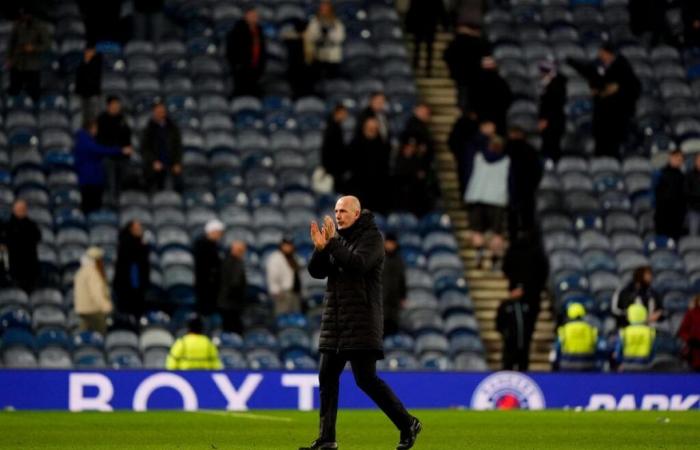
(689, 332)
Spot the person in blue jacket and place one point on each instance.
(88, 156)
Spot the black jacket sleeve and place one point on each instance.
(368, 252)
(319, 264)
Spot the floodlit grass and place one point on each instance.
(364, 430)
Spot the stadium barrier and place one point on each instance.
(140, 390)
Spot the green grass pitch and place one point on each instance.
(365, 430)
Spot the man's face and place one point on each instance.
(697, 161)
(345, 213)
(114, 108)
(676, 160)
(287, 248)
(215, 235)
(159, 113)
(324, 9)
(19, 209)
(251, 17)
(371, 129)
(423, 113)
(377, 103)
(137, 229)
(390, 246)
(605, 57)
(238, 249)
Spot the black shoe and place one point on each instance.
(408, 437)
(321, 445)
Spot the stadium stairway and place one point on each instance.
(487, 287)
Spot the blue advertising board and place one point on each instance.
(140, 390)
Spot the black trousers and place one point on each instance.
(515, 358)
(27, 80)
(365, 372)
(91, 195)
(426, 39)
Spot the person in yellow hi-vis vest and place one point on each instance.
(194, 350)
(576, 341)
(635, 347)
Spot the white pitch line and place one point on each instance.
(245, 415)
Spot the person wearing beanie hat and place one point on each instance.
(635, 346)
(207, 267)
(91, 292)
(576, 341)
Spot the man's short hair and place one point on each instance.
(113, 98)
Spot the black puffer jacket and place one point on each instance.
(353, 262)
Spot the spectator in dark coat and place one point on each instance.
(394, 284)
(417, 131)
(638, 290)
(524, 179)
(649, 16)
(132, 275)
(88, 155)
(692, 190)
(161, 148)
(691, 22)
(207, 267)
(102, 20)
(376, 108)
(245, 51)
(463, 57)
(351, 324)
(20, 237)
(462, 133)
(493, 96)
(414, 188)
(615, 90)
(512, 323)
(88, 81)
(369, 166)
(232, 293)
(298, 71)
(113, 130)
(28, 41)
(552, 116)
(148, 19)
(689, 333)
(526, 267)
(669, 193)
(333, 148)
(422, 20)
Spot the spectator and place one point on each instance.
(576, 341)
(615, 90)
(526, 267)
(649, 16)
(512, 321)
(369, 166)
(207, 267)
(463, 132)
(102, 20)
(417, 129)
(132, 273)
(393, 284)
(113, 130)
(492, 96)
(422, 20)
(552, 117)
(194, 350)
(376, 108)
(21, 236)
(298, 73)
(324, 39)
(148, 19)
(524, 179)
(88, 81)
(283, 280)
(245, 51)
(28, 41)
(689, 333)
(413, 185)
(463, 58)
(692, 190)
(88, 164)
(161, 148)
(691, 22)
(635, 346)
(669, 194)
(637, 291)
(486, 196)
(91, 291)
(334, 150)
(232, 293)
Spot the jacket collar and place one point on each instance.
(363, 223)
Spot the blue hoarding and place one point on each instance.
(142, 389)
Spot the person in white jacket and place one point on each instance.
(324, 39)
(283, 281)
(91, 292)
